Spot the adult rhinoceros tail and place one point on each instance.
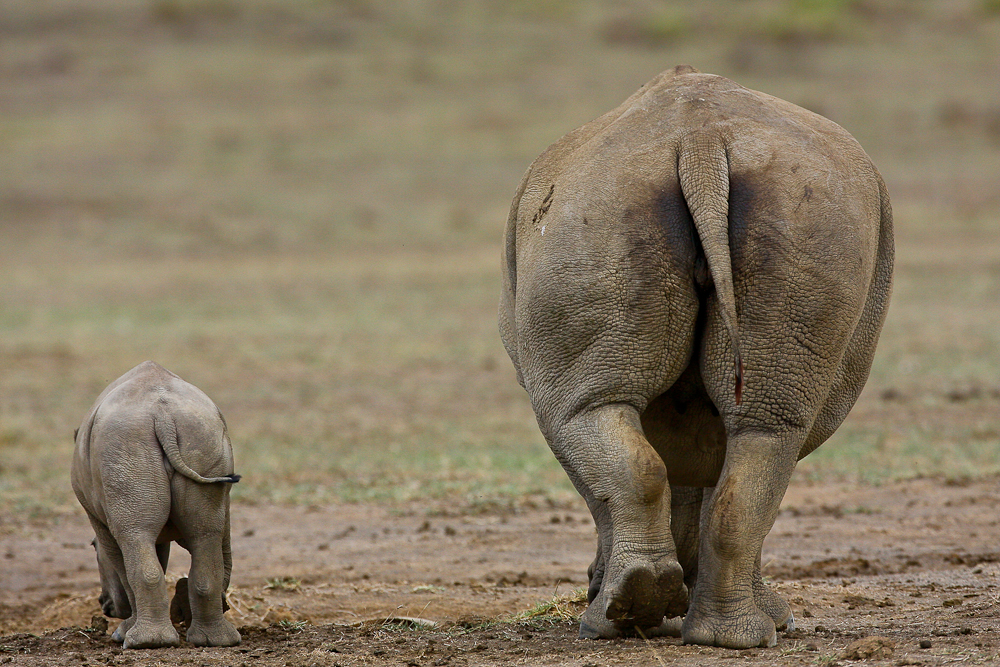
(703, 170)
(166, 434)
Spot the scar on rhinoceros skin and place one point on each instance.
(544, 208)
(739, 380)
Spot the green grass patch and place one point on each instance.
(287, 584)
(874, 456)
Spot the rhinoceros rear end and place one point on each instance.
(693, 287)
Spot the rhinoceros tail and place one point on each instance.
(166, 434)
(703, 169)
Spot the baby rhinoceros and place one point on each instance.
(153, 464)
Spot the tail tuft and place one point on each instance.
(166, 435)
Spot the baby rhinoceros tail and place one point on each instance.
(166, 434)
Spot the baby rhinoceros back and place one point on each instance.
(154, 464)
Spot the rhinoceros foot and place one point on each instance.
(635, 601)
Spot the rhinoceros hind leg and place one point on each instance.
(150, 625)
(595, 573)
(731, 607)
(671, 627)
(772, 604)
(205, 591)
(146, 634)
(625, 483)
(637, 600)
(747, 628)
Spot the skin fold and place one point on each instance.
(693, 288)
(153, 464)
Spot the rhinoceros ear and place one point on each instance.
(76, 432)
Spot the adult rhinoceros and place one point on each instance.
(693, 287)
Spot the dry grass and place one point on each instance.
(297, 207)
(565, 607)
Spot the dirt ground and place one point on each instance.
(914, 563)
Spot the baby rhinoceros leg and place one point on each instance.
(208, 625)
(207, 538)
(149, 626)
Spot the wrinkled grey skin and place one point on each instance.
(153, 464)
(693, 288)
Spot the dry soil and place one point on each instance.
(909, 568)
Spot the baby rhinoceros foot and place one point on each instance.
(220, 633)
(635, 601)
(150, 635)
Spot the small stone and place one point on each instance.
(925, 643)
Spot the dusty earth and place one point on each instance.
(910, 568)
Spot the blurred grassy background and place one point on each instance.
(297, 206)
